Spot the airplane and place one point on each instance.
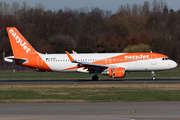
(114, 65)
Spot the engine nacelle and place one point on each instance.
(115, 72)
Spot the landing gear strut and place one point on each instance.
(153, 75)
(95, 78)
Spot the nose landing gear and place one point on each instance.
(153, 75)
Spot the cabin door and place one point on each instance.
(39, 61)
(153, 60)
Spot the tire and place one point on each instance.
(153, 78)
(95, 78)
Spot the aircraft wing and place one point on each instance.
(91, 64)
(85, 64)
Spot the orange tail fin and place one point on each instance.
(20, 46)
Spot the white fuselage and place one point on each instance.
(60, 62)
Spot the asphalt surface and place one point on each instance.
(91, 111)
(89, 81)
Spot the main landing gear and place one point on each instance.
(95, 78)
(153, 75)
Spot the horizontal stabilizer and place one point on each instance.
(11, 59)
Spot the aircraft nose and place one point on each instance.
(173, 64)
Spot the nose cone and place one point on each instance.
(173, 64)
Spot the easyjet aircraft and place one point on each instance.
(114, 65)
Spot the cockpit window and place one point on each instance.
(166, 59)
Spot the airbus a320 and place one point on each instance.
(114, 65)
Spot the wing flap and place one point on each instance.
(95, 65)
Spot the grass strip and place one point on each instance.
(89, 93)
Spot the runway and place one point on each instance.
(91, 111)
(89, 81)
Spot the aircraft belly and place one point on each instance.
(62, 66)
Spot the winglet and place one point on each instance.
(70, 58)
(74, 52)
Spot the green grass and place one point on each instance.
(87, 93)
(70, 93)
(175, 73)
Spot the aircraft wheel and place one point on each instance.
(95, 78)
(153, 78)
(153, 75)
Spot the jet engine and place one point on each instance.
(114, 72)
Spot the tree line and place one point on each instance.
(85, 30)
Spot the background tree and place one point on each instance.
(137, 48)
(165, 10)
(93, 30)
(146, 8)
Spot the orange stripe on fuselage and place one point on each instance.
(128, 57)
(71, 68)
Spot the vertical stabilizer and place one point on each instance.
(20, 46)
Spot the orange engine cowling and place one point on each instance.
(116, 72)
